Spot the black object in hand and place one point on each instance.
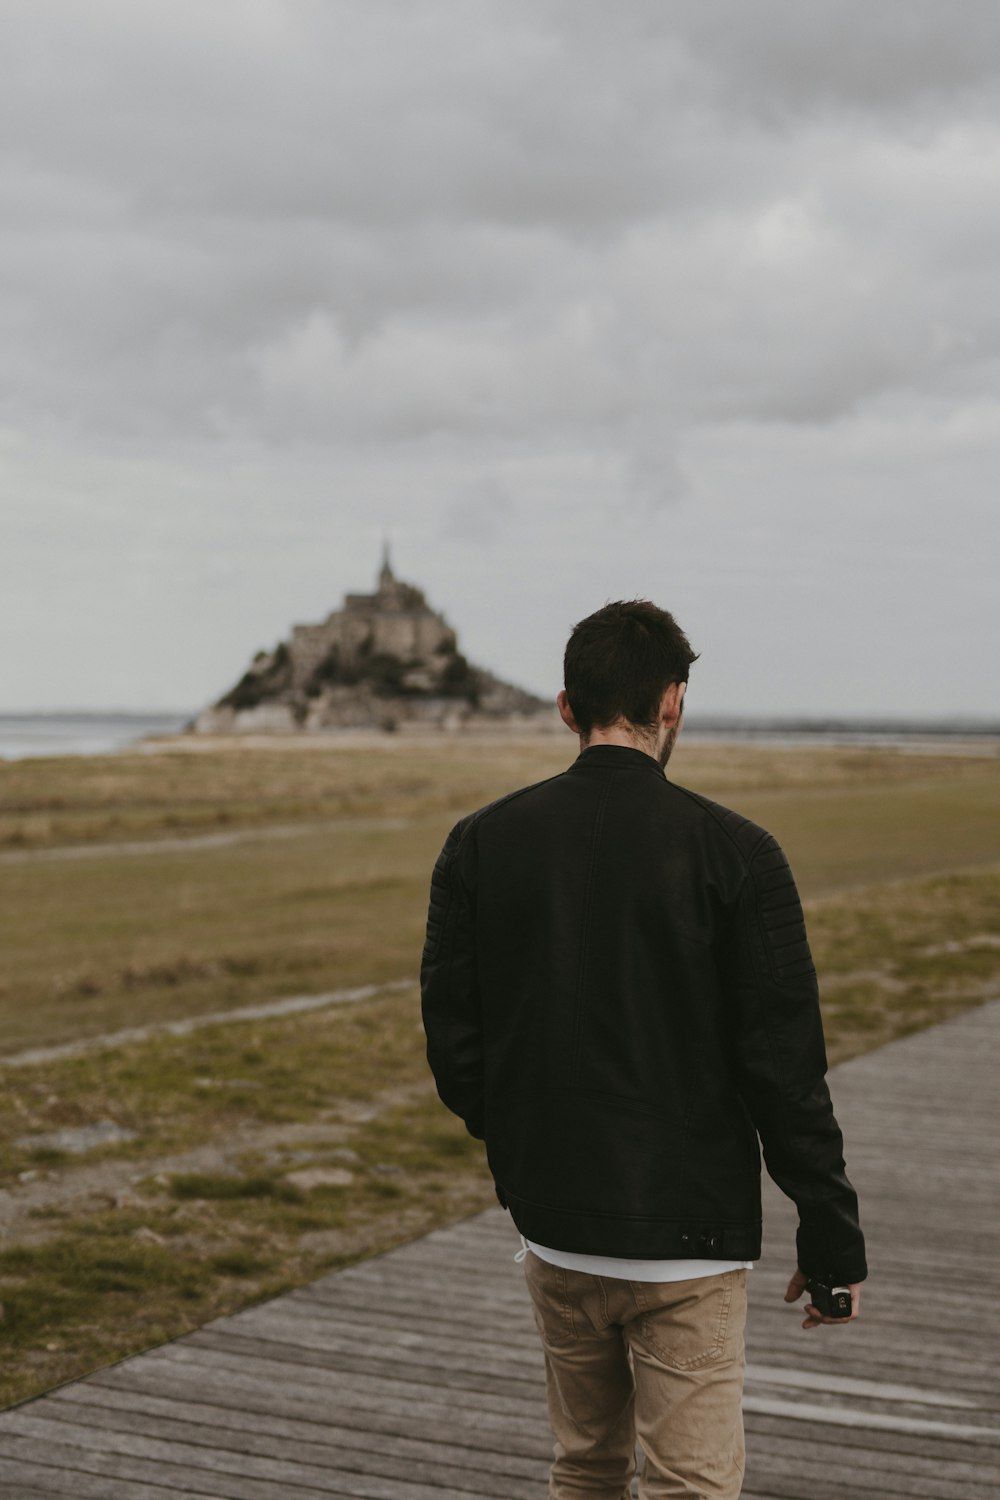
(831, 1301)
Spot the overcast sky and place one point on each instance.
(696, 300)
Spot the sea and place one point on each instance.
(23, 736)
(955, 736)
(26, 735)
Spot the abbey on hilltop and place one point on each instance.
(381, 661)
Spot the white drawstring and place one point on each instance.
(520, 1254)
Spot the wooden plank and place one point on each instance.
(318, 1422)
(977, 1465)
(211, 1368)
(187, 1469)
(467, 1285)
(383, 1308)
(12, 1489)
(808, 1472)
(796, 1486)
(389, 1307)
(203, 1422)
(21, 1480)
(939, 1359)
(479, 1438)
(429, 1460)
(420, 1373)
(430, 1303)
(804, 1480)
(310, 1329)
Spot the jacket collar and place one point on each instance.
(615, 758)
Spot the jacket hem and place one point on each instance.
(586, 1232)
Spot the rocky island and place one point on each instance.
(384, 660)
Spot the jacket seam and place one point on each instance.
(708, 808)
(473, 820)
(588, 901)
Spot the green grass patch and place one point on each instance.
(202, 1186)
(895, 958)
(237, 1262)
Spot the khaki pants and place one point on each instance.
(661, 1362)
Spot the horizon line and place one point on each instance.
(709, 717)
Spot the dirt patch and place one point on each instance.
(120, 1184)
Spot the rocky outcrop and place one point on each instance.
(382, 661)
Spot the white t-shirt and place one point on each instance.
(634, 1270)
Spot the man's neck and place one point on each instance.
(614, 734)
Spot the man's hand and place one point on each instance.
(814, 1317)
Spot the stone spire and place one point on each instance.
(386, 577)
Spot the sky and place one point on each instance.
(692, 301)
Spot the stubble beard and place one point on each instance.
(668, 745)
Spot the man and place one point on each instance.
(619, 999)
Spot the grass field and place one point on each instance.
(146, 888)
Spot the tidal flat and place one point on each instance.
(151, 1184)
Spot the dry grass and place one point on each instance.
(904, 955)
(232, 787)
(199, 786)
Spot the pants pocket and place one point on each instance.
(690, 1324)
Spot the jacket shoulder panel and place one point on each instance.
(744, 836)
(445, 872)
(771, 887)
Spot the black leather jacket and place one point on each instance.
(619, 998)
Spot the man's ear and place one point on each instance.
(672, 702)
(565, 712)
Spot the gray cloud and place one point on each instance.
(491, 273)
(217, 229)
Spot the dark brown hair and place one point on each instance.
(620, 661)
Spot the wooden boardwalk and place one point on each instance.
(417, 1375)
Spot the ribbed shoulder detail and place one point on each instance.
(747, 838)
(780, 913)
(776, 900)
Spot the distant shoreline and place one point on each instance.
(960, 736)
(27, 736)
(33, 735)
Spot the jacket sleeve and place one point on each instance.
(449, 986)
(781, 1062)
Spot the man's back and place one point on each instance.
(645, 998)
